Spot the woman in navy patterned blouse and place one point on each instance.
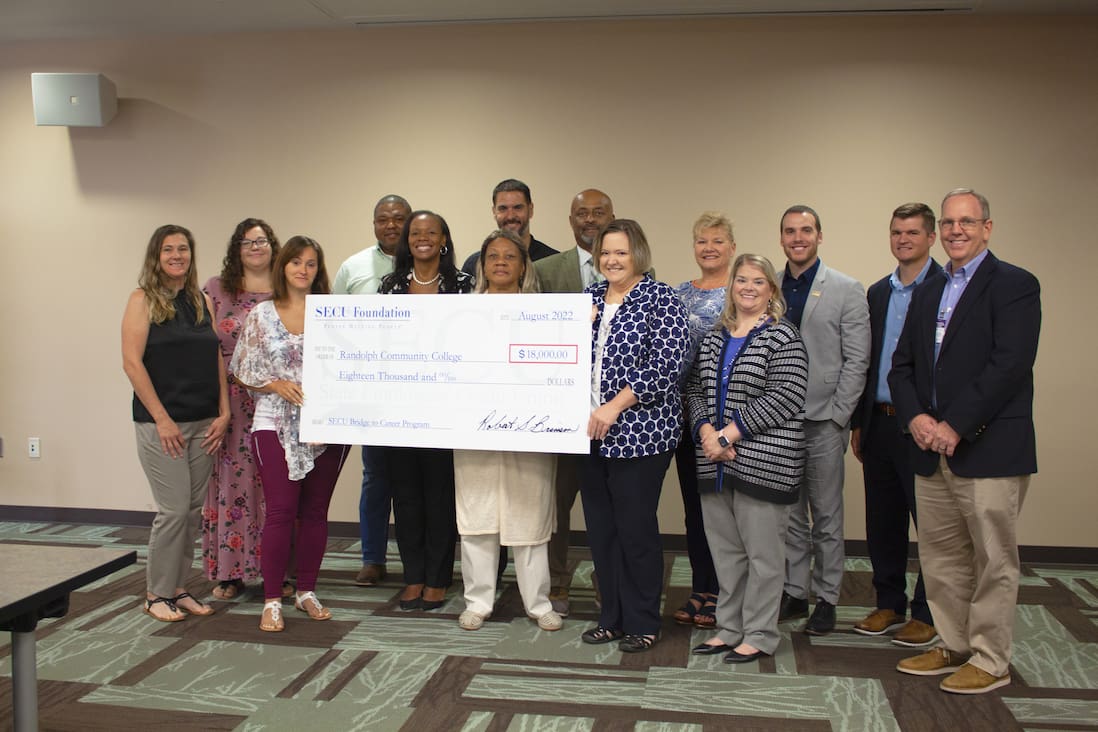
(639, 342)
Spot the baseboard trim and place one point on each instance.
(349, 530)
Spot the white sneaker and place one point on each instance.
(469, 620)
(550, 621)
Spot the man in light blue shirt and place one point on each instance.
(878, 442)
(360, 275)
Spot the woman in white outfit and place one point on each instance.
(505, 497)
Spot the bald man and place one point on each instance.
(571, 271)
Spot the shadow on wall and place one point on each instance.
(147, 150)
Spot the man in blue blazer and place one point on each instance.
(962, 384)
(878, 439)
(830, 309)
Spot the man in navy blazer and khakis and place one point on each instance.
(878, 441)
(830, 309)
(962, 384)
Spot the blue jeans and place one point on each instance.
(374, 504)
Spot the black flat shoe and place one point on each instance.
(707, 650)
(734, 657)
(414, 604)
(431, 604)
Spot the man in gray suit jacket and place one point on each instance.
(830, 309)
(571, 271)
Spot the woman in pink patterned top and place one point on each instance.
(232, 519)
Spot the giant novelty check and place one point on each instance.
(480, 372)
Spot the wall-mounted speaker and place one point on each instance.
(73, 100)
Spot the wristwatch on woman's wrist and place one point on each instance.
(722, 440)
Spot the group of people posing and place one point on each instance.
(749, 377)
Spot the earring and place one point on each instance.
(444, 249)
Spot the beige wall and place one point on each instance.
(851, 115)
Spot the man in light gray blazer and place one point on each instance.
(571, 271)
(831, 311)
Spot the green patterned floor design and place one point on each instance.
(108, 666)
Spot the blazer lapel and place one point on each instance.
(878, 313)
(972, 293)
(572, 262)
(928, 315)
(815, 291)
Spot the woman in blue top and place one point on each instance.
(745, 395)
(703, 298)
(639, 342)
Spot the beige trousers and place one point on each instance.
(179, 488)
(480, 562)
(968, 548)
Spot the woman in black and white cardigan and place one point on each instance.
(745, 396)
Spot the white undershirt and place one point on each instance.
(608, 312)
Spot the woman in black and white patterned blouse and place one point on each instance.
(639, 343)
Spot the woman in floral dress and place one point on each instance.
(232, 518)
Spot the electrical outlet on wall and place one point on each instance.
(34, 447)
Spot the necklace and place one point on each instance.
(424, 283)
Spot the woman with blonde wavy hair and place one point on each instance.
(171, 355)
(745, 396)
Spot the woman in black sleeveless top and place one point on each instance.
(171, 355)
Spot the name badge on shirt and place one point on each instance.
(939, 331)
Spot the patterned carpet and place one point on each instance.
(108, 666)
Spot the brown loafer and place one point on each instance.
(916, 634)
(971, 680)
(879, 622)
(370, 575)
(935, 662)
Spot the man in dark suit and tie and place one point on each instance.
(571, 271)
(962, 385)
(879, 443)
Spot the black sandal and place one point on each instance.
(600, 634)
(203, 610)
(685, 614)
(637, 643)
(228, 589)
(170, 602)
(706, 617)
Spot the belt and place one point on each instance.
(885, 409)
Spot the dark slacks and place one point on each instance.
(620, 498)
(424, 513)
(889, 500)
(569, 469)
(703, 576)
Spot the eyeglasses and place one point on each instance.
(260, 243)
(966, 223)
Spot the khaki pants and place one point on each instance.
(179, 489)
(479, 562)
(968, 548)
